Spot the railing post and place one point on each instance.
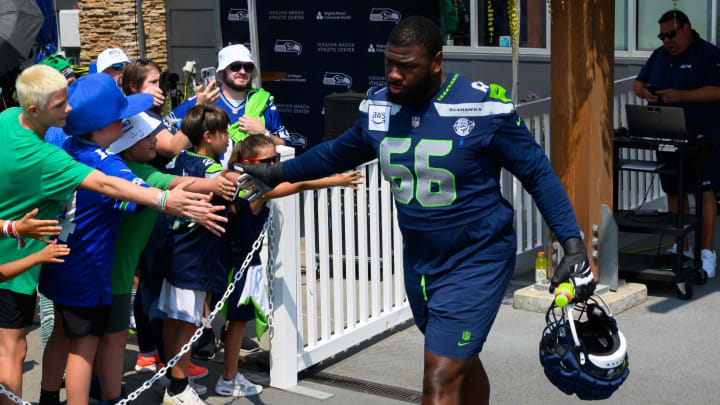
(284, 336)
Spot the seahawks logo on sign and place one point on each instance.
(463, 126)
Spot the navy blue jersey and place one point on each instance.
(90, 225)
(243, 229)
(199, 258)
(697, 67)
(444, 160)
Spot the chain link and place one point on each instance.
(271, 270)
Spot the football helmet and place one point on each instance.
(586, 356)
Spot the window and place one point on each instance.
(482, 26)
(491, 28)
(649, 11)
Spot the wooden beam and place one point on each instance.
(581, 120)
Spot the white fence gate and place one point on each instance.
(346, 286)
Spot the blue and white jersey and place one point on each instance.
(90, 224)
(444, 160)
(199, 258)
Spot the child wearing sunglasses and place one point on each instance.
(245, 222)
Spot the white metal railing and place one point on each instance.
(347, 285)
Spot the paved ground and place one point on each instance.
(672, 346)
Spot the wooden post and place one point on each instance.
(581, 119)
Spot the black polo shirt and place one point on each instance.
(698, 66)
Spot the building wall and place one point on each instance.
(113, 23)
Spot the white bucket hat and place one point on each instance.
(235, 53)
(135, 129)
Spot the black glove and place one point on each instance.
(575, 267)
(258, 179)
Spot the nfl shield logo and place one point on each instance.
(415, 121)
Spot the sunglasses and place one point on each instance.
(268, 161)
(248, 67)
(119, 67)
(670, 34)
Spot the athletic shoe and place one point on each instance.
(709, 261)
(237, 387)
(249, 346)
(205, 346)
(147, 364)
(195, 372)
(188, 397)
(199, 388)
(673, 250)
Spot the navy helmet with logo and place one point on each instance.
(585, 356)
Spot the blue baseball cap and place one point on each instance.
(97, 102)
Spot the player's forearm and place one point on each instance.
(120, 189)
(17, 267)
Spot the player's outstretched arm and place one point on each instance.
(29, 227)
(177, 202)
(49, 254)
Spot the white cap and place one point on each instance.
(135, 129)
(233, 53)
(110, 57)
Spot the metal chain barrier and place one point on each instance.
(271, 270)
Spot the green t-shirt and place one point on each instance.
(135, 231)
(38, 175)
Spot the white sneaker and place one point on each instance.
(237, 387)
(673, 250)
(709, 261)
(187, 397)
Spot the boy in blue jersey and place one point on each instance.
(198, 257)
(442, 140)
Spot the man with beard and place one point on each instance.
(251, 111)
(442, 140)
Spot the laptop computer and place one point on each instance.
(656, 122)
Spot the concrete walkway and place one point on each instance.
(672, 347)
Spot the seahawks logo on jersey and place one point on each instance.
(463, 126)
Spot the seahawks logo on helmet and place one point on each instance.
(585, 356)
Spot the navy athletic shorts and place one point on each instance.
(456, 307)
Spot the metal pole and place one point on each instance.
(140, 28)
(254, 41)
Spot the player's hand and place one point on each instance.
(211, 221)
(181, 203)
(224, 186)
(252, 126)
(258, 179)
(208, 95)
(52, 252)
(575, 267)
(349, 179)
(30, 227)
(157, 94)
(670, 96)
